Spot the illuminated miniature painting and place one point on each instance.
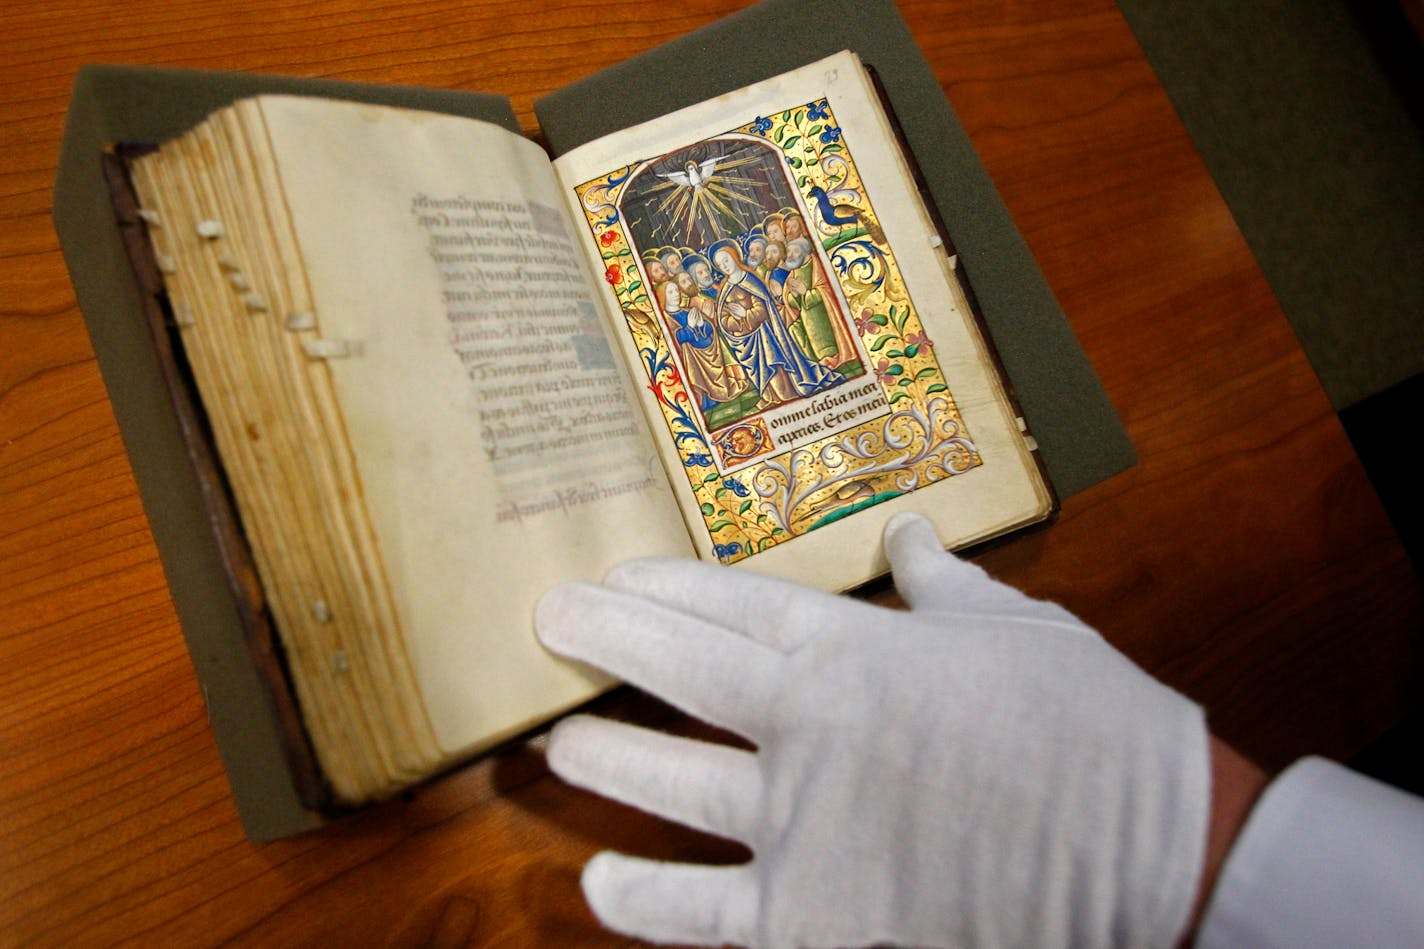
(775, 330)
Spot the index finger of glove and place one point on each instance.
(776, 613)
(699, 666)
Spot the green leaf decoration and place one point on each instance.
(937, 387)
(880, 319)
(896, 397)
(634, 285)
(777, 137)
(718, 525)
(880, 343)
(746, 506)
(895, 370)
(912, 349)
(794, 162)
(905, 382)
(894, 353)
(791, 141)
(832, 148)
(707, 509)
(927, 371)
(710, 478)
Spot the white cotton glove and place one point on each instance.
(981, 771)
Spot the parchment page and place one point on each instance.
(499, 449)
(811, 364)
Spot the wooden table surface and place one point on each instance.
(1245, 559)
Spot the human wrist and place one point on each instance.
(1236, 786)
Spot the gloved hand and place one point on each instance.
(983, 770)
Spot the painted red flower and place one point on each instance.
(613, 274)
(608, 237)
(863, 326)
(882, 371)
(918, 339)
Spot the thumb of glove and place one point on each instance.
(930, 579)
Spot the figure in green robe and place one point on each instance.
(810, 306)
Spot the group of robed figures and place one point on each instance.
(753, 313)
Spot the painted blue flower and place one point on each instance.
(700, 460)
(762, 125)
(818, 111)
(724, 551)
(831, 134)
(736, 487)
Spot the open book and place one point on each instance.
(444, 374)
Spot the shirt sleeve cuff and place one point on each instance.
(1328, 857)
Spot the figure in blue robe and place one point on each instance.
(711, 375)
(758, 337)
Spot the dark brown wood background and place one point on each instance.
(1245, 560)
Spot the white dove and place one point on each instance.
(694, 174)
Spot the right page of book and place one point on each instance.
(807, 358)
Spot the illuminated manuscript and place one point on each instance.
(444, 374)
(774, 327)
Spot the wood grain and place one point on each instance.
(1245, 559)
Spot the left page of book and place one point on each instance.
(493, 447)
